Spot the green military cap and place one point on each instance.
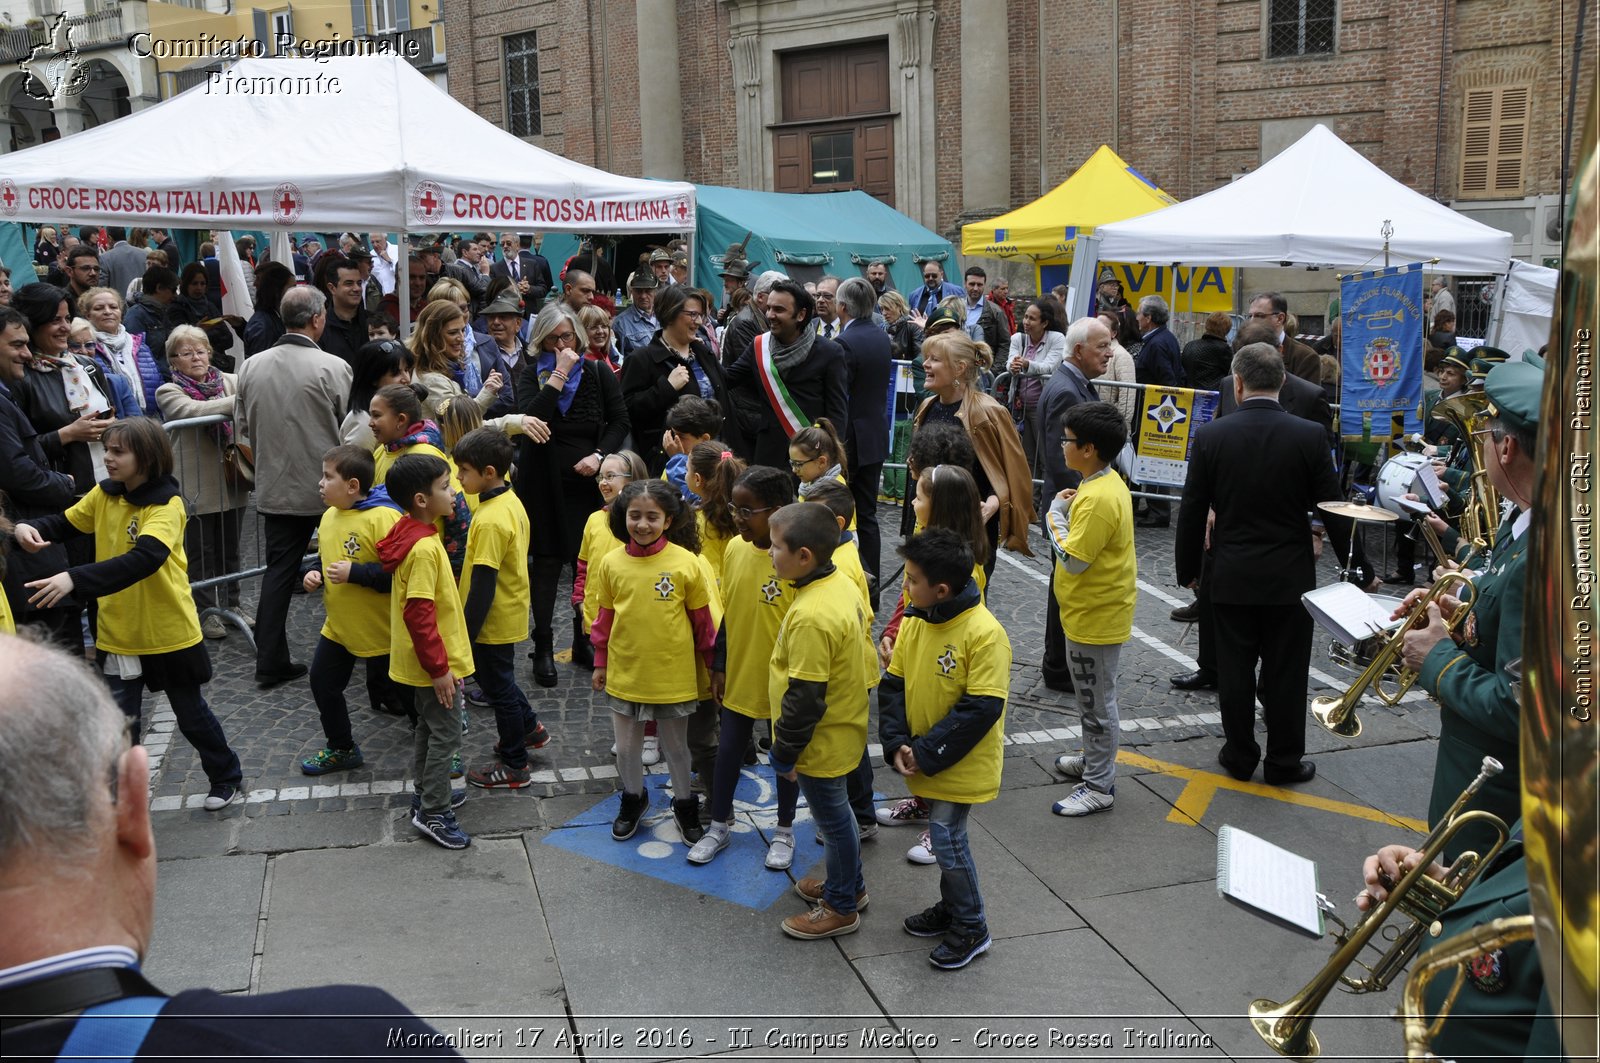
(1455, 356)
(1493, 355)
(1480, 369)
(1514, 391)
(942, 318)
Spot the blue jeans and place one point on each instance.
(514, 718)
(958, 876)
(841, 842)
(195, 722)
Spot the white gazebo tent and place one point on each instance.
(340, 143)
(1318, 203)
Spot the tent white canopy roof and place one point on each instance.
(1317, 203)
(351, 142)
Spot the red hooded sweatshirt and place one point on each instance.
(421, 621)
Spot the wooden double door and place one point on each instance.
(837, 128)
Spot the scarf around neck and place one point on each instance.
(785, 358)
(545, 365)
(208, 387)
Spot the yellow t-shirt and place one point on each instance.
(8, 624)
(702, 671)
(651, 658)
(357, 617)
(596, 543)
(847, 559)
(840, 477)
(425, 573)
(157, 614)
(383, 460)
(821, 640)
(1097, 603)
(754, 601)
(713, 547)
(498, 538)
(941, 663)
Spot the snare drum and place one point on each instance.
(1398, 478)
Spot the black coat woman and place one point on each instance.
(673, 364)
(580, 403)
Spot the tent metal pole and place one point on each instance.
(404, 287)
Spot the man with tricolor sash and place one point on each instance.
(798, 375)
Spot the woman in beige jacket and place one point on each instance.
(216, 508)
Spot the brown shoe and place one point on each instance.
(821, 922)
(810, 891)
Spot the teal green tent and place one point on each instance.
(806, 236)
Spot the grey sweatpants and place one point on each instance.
(1094, 677)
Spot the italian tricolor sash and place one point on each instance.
(790, 415)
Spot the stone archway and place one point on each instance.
(107, 97)
(23, 119)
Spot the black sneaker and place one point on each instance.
(457, 799)
(930, 922)
(957, 950)
(687, 814)
(221, 796)
(628, 816)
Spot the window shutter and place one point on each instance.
(1494, 141)
(259, 17)
(402, 15)
(358, 18)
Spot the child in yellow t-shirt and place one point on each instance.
(147, 629)
(494, 590)
(754, 602)
(713, 468)
(653, 627)
(818, 687)
(428, 646)
(1091, 536)
(616, 472)
(398, 424)
(356, 599)
(941, 719)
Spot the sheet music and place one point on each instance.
(1268, 878)
(1347, 612)
(1432, 489)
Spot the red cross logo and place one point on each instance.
(427, 202)
(287, 203)
(8, 197)
(683, 208)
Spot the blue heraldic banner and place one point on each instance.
(1381, 352)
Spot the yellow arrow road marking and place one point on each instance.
(1202, 786)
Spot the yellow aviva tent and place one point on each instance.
(1104, 189)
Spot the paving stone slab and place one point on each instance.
(633, 946)
(178, 837)
(1095, 855)
(1397, 778)
(1171, 934)
(431, 926)
(1069, 991)
(207, 911)
(306, 829)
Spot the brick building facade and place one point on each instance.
(990, 102)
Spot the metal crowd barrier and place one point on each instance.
(212, 540)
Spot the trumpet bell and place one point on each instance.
(1285, 1028)
(1333, 714)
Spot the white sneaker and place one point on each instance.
(1081, 802)
(1070, 765)
(780, 852)
(652, 751)
(212, 627)
(913, 810)
(613, 749)
(710, 844)
(922, 852)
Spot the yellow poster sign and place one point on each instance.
(1199, 289)
(1167, 420)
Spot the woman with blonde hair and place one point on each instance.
(599, 345)
(951, 362)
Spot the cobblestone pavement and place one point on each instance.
(274, 730)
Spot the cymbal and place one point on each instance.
(1357, 511)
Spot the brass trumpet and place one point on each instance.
(1286, 1027)
(1338, 714)
(1468, 412)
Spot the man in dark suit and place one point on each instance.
(869, 370)
(1159, 362)
(1089, 346)
(811, 369)
(1298, 359)
(79, 876)
(522, 269)
(1262, 471)
(1304, 400)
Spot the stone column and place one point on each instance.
(69, 113)
(985, 96)
(660, 97)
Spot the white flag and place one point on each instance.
(236, 299)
